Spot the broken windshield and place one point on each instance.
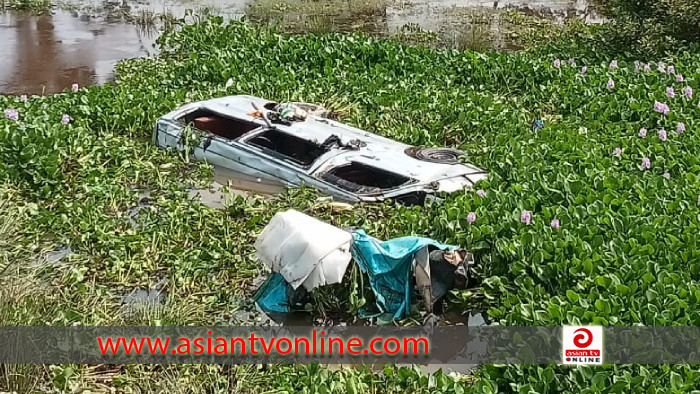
(361, 178)
(287, 146)
(223, 126)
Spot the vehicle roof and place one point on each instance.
(378, 152)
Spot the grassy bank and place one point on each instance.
(625, 253)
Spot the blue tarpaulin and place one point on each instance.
(389, 264)
(272, 295)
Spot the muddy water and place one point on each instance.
(81, 44)
(46, 54)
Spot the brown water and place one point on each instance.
(47, 54)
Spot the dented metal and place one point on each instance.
(344, 148)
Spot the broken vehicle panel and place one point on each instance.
(302, 250)
(306, 251)
(294, 143)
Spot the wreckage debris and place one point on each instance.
(305, 253)
(294, 144)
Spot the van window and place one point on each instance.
(287, 146)
(361, 178)
(222, 126)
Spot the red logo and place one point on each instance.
(582, 345)
(583, 339)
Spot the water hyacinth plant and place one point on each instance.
(661, 107)
(662, 135)
(642, 132)
(670, 92)
(12, 114)
(555, 223)
(680, 128)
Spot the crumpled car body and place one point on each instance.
(347, 163)
(305, 253)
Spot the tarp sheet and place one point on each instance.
(304, 250)
(389, 265)
(272, 295)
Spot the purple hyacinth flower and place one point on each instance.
(65, 119)
(526, 217)
(688, 92)
(481, 193)
(679, 78)
(667, 175)
(471, 217)
(75, 87)
(680, 129)
(555, 223)
(584, 69)
(662, 135)
(613, 64)
(661, 107)
(643, 132)
(647, 68)
(618, 152)
(557, 63)
(670, 92)
(637, 65)
(611, 84)
(646, 163)
(12, 114)
(671, 70)
(572, 62)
